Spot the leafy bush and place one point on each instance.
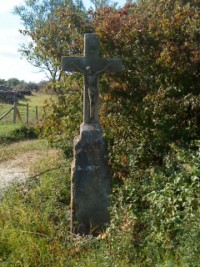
(62, 121)
(164, 201)
(156, 98)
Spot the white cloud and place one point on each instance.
(11, 33)
(7, 6)
(18, 68)
(4, 55)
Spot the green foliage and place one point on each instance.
(61, 122)
(2, 82)
(25, 133)
(55, 28)
(33, 220)
(14, 83)
(10, 132)
(163, 203)
(7, 130)
(150, 115)
(11, 151)
(155, 218)
(151, 109)
(158, 91)
(14, 133)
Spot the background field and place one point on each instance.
(7, 127)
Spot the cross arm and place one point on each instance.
(73, 64)
(112, 65)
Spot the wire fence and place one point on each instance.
(23, 113)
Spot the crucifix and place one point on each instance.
(91, 65)
(90, 180)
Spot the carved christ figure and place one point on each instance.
(91, 85)
(91, 65)
(91, 82)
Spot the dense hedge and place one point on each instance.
(150, 114)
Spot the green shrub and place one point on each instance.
(165, 201)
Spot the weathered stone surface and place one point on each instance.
(90, 182)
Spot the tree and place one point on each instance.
(150, 113)
(12, 82)
(158, 42)
(2, 82)
(52, 27)
(157, 95)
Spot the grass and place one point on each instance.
(14, 133)
(33, 218)
(36, 99)
(10, 132)
(35, 223)
(3, 109)
(35, 229)
(10, 151)
(6, 130)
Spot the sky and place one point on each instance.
(12, 64)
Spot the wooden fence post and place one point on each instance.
(36, 112)
(14, 112)
(27, 113)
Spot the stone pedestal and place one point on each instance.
(90, 184)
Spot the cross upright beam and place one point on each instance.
(91, 65)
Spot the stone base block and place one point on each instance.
(90, 183)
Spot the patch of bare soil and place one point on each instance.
(18, 169)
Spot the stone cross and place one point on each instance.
(90, 180)
(91, 65)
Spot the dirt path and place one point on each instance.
(18, 168)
